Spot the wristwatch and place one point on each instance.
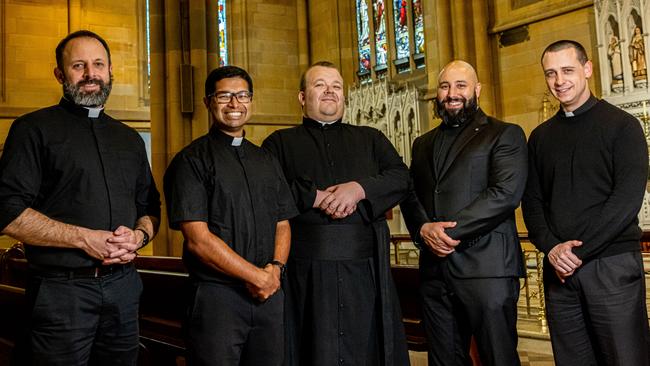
(145, 237)
(280, 265)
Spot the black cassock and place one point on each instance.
(342, 307)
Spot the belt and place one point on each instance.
(332, 242)
(82, 272)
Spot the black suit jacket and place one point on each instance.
(479, 186)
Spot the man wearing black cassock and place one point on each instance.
(468, 175)
(232, 203)
(342, 307)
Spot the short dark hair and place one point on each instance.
(78, 34)
(225, 72)
(564, 44)
(303, 77)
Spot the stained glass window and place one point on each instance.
(363, 38)
(400, 18)
(223, 40)
(381, 46)
(418, 26)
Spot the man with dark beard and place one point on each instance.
(76, 188)
(468, 176)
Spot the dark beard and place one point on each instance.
(459, 118)
(73, 92)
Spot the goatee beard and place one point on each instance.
(98, 98)
(462, 116)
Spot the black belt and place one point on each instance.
(332, 242)
(81, 272)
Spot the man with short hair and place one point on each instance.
(232, 203)
(468, 175)
(77, 190)
(342, 304)
(588, 173)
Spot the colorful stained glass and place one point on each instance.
(400, 18)
(363, 37)
(418, 26)
(381, 46)
(223, 39)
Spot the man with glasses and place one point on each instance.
(232, 203)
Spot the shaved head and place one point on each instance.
(460, 65)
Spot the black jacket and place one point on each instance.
(479, 186)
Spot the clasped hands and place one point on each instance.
(116, 247)
(267, 283)
(563, 260)
(435, 238)
(339, 201)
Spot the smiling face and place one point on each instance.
(230, 117)
(322, 99)
(566, 78)
(86, 73)
(458, 92)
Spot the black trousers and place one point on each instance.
(226, 326)
(454, 309)
(598, 316)
(83, 321)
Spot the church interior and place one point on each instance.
(389, 53)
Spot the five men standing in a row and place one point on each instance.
(76, 188)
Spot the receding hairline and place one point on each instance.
(459, 64)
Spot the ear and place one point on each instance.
(477, 90)
(58, 74)
(206, 101)
(589, 69)
(301, 98)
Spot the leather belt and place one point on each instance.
(81, 272)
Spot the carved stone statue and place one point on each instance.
(637, 55)
(614, 55)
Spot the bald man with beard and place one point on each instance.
(468, 176)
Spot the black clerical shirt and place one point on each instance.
(90, 172)
(239, 191)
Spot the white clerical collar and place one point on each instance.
(94, 112)
(568, 114)
(236, 141)
(324, 123)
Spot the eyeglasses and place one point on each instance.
(226, 97)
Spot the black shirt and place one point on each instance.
(587, 177)
(238, 190)
(90, 172)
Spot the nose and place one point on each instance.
(559, 80)
(89, 71)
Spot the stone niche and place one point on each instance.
(622, 34)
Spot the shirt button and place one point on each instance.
(341, 333)
(341, 306)
(341, 361)
(331, 163)
(437, 191)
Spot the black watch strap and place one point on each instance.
(280, 265)
(145, 237)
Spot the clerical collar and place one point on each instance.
(80, 111)
(226, 138)
(582, 109)
(325, 123)
(236, 141)
(314, 123)
(94, 112)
